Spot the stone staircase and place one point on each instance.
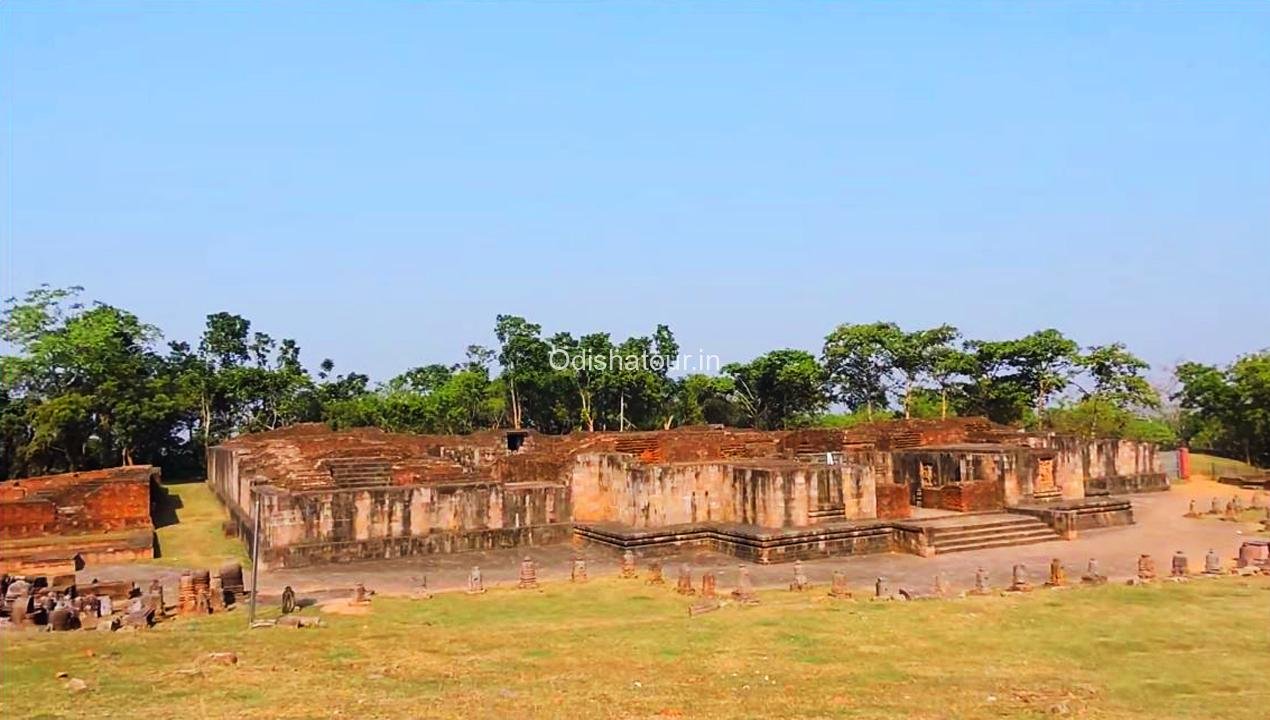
(991, 530)
(360, 472)
(831, 513)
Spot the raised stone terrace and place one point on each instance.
(768, 496)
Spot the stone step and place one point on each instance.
(974, 535)
(985, 544)
(992, 528)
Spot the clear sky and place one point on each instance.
(380, 180)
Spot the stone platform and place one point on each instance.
(66, 553)
(1084, 514)
(927, 537)
(748, 542)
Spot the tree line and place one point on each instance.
(89, 385)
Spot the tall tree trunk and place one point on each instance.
(943, 403)
(515, 405)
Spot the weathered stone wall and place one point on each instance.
(773, 493)
(1126, 484)
(301, 527)
(1078, 460)
(893, 501)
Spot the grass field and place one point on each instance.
(616, 648)
(189, 530)
(1214, 466)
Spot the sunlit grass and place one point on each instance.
(1214, 466)
(197, 540)
(616, 648)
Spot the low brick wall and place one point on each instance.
(1126, 484)
(893, 501)
(965, 497)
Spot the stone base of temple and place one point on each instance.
(60, 554)
(1088, 513)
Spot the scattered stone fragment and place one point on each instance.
(155, 596)
(216, 594)
(1231, 515)
(1253, 553)
(708, 585)
(838, 587)
(654, 574)
(1215, 507)
(881, 590)
(528, 575)
(1181, 565)
(1146, 568)
(628, 565)
(61, 619)
(1191, 512)
(187, 597)
(1058, 574)
(202, 603)
(744, 591)
(800, 581)
(941, 587)
(981, 582)
(702, 606)
(422, 592)
(475, 581)
(76, 685)
(1019, 581)
(360, 595)
(299, 621)
(578, 574)
(222, 658)
(1212, 563)
(683, 584)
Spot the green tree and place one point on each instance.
(783, 388)
(699, 399)
(93, 388)
(1228, 409)
(920, 357)
(859, 361)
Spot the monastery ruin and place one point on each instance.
(55, 524)
(919, 486)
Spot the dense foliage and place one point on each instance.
(1228, 409)
(91, 385)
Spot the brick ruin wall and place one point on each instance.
(98, 501)
(426, 494)
(96, 516)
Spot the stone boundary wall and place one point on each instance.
(1127, 484)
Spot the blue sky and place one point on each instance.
(380, 180)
